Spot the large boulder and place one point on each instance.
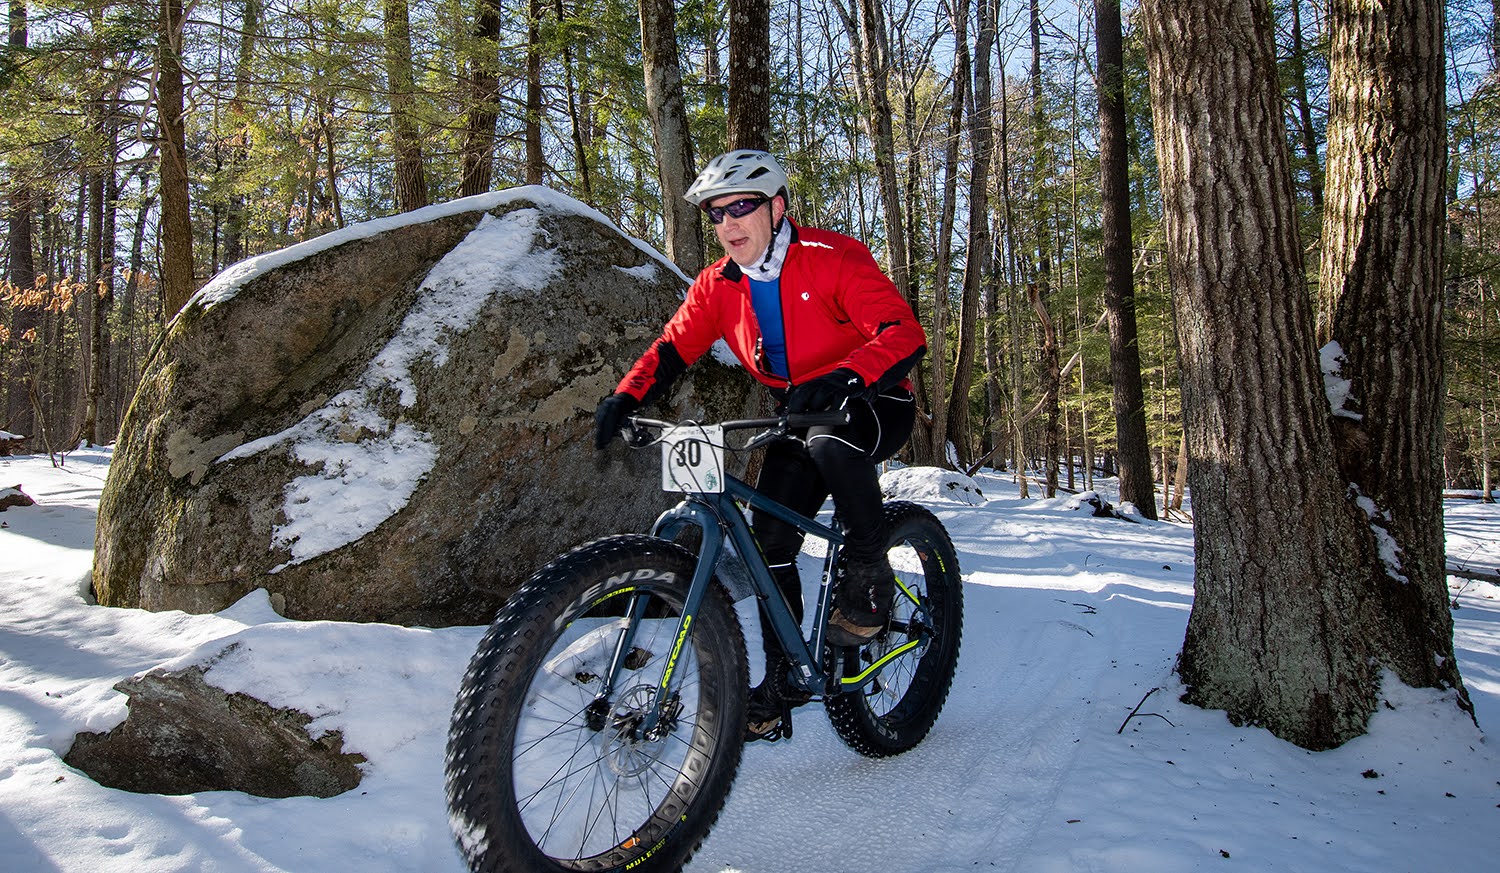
(394, 422)
(183, 735)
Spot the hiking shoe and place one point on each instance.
(768, 711)
(861, 602)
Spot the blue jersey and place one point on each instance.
(766, 298)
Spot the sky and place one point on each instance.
(1033, 766)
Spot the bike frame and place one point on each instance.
(722, 521)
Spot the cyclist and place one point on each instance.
(810, 314)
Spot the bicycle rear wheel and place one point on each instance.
(898, 707)
(543, 774)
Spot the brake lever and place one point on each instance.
(638, 432)
(637, 436)
(765, 437)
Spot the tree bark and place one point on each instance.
(580, 116)
(1282, 558)
(976, 269)
(1129, 403)
(532, 123)
(749, 74)
(871, 45)
(669, 125)
(238, 141)
(938, 338)
(1051, 367)
(21, 269)
(477, 163)
(1041, 169)
(1383, 264)
(177, 283)
(411, 166)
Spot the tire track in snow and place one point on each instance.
(919, 812)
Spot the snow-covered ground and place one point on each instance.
(1070, 621)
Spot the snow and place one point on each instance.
(1071, 621)
(231, 279)
(1331, 361)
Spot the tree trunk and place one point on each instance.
(411, 168)
(1013, 307)
(749, 74)
(1383, 264)
(1051, 379)
(1042, 288)
(238, 144)
(1129, 403)
(938, 338)
(532, 123)
(871, 45)
(21, 268)
(177, 283)
(1307, 133)
(580, 116)
(1282, 559)
(669, 125)
(477, 164)
(976, 272)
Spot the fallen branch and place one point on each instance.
(1134, 713)
(1464, 573)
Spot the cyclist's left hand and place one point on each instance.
(610, 417)
(826, 393)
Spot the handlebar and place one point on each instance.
(638, 434)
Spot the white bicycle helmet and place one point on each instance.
(744, 171)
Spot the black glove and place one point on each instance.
(610, 417)
(826, 392)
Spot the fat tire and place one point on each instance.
(479, 765)
(906, 722)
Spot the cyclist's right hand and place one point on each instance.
(610, 417)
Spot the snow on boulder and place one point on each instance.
(393, 422)
(930, 483)
(11, 443)
(14, 496)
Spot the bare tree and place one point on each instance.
(871, 44)
(936, 445)
(21, 271)
(669, 126)
(531, 124)
(236, 144)
(483, 78)
(177, 283)
(749, 74)
(976, 270)
(411, 170)
(1129, 405)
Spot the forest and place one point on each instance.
(144, 146)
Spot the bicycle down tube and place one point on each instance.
(716, 514)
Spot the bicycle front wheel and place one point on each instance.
(914, 657)
(545, 772)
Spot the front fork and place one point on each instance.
(660, 713)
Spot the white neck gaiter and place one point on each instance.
(767, 268)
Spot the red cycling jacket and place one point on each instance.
(838, 310)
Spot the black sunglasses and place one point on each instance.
(738, 209)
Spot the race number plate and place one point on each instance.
(692, 459)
